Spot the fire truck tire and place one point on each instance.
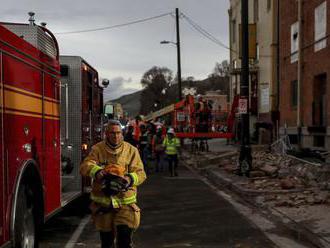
(25, 219)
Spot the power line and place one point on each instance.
(205, 33)
(113, 26)
(213, 38)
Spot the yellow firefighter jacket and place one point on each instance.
(125, 156)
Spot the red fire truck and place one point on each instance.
(43, 136)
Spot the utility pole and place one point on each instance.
(245, 158)
(178, 51)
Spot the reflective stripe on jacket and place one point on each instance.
(171, 145)
(127, 157)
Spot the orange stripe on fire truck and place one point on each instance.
(30, 93)
(29, 104)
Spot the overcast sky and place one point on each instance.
(123, 54)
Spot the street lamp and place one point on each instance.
(167, 42)
(177, 43)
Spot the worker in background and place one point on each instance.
(172, 148)
(128, 137)
(116, 169)
(136, 127)
(142, 145)
(158, 148)
(199, 113)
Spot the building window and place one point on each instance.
(233, 31)
(320, 30)
(294, 42)
(256, 11)
(269, 5)
(294, 95)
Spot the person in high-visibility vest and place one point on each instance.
(172, 147)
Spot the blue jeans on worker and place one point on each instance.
(146, 158)
(159, 161)
(172, 164)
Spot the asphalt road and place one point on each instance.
(176, 212)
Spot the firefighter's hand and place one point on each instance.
(100, 175)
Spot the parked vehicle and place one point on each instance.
(45, 129)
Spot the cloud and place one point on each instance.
(120, 86)
(127, 52)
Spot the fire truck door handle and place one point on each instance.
(55, 143)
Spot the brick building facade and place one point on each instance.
(314, 65)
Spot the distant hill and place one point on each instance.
(130, 103)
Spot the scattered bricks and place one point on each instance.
(301, 197)
(257, 164)
(260, 200)
(270, 197)
(318, 200)
(257, 173)
(324, 196)
(293, 197)
(287, 183)
(283, 173)
(269, 170)
(284, 203)
(324, 186)
(230, 168)
(310, 200)
(298, 203)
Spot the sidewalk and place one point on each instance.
(183, 211)
(290, 191)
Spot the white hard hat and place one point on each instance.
(171, 130)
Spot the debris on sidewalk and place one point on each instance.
(292, 189)
(286, 180)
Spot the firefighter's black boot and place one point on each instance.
(107, 239)
(124, 236)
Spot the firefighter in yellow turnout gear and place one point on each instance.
(117, 170)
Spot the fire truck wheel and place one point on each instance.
(25, 229)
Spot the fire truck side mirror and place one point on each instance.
(105, 82)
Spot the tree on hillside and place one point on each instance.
(156, 83)
(221, 69)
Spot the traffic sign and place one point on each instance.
(243, 105)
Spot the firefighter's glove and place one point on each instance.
(112, 184)
(99, 175)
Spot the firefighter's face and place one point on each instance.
(114, 134)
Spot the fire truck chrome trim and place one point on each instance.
(26, 130)
(29, 56)
(27, 147)
(25, 165)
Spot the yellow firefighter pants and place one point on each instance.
(125, 215)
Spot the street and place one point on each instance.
(176, 212)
